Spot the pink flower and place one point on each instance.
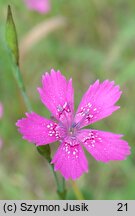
(98, 102)
(1, 143)
(42, 6)
(1, 110)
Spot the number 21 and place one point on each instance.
(122, 207)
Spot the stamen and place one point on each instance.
(63, 113)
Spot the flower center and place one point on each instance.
(71, 138)
(68, 135)
(71, 131)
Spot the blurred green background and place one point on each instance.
(97, 41)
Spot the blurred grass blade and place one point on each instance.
(127, 73)
(123, 40)
(11, 35)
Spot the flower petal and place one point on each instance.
(97, 103)
(37, 129)
(70, 161)
(57, 95)
(104, 146)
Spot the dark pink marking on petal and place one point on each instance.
(70, 161)
(37, 129)
(57, 95)
(97, 103)
(104, 146)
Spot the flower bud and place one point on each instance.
(11, 36)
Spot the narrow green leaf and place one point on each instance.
(45, 151)
(11, 35)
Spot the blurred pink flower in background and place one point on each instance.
(1, 114)
(57, 94)
(1, 110)
(42, 6)
(1, 143)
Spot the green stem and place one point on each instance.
(63, 183)
(61, 190)
(18, 77)
(55, 175)
(27, 102)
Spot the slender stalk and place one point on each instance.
(55, 175)
(63, 183)
(18, 77)
(76, 190)
(27, 102)
(61, 190)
